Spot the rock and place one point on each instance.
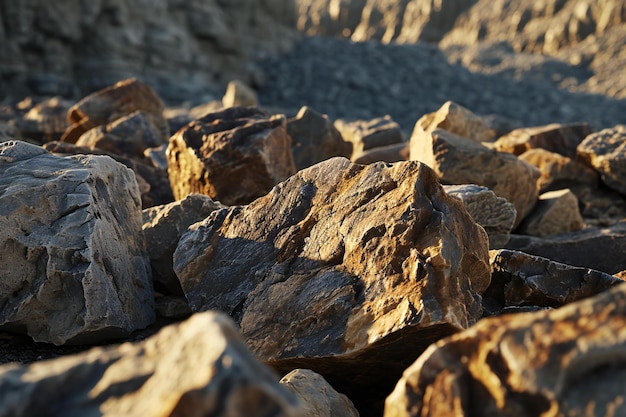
(605, 151)
(458, 160)
(315, 139)
(234, 156)
(368, 134)
(163, 226)
(519, 279)
(555, 137)
(317, 397)
(561, 362)
(363, 265)
(113, 102)
(157, 156)
(46, 121)
(598, 248)
(458, 120)
(198, 367)
(73, 259)
(556, 212)
(493, 213)
(600, 206)
(239, 94)
(389, 153)
(558, 171)
(172, 307)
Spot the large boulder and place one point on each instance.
(200, 367)
(73, 259)
(605, 151)
(362, 267)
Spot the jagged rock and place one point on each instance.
(600, 248)
(315, 139)
(73, 260)
(558, 138)
(198, 367)
(600, 206)
(458, 160)
(605, 151)
(389, 153)
(163, 226)
(363, 265)
(368, 134)
(171, 306)
(114, 102)
(239, 94)
(157, 156)
(519, 279)
(556, 212)
(558, 171)
(493, 213)
(566, 361)
(458, 120)
(235, 155)
(317, 397)
(46, 121)
(129, 135)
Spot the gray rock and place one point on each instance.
(73, 259)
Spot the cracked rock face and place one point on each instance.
(73, 260)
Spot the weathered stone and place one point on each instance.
(556, 212)
(390, 153)
(605, 151)
(172, 307)
(368, 134)
(519, 279)
(458, 120)
(315, 139)
(363, 265)
(73, 260)
(600, 206)
(458, 160)
(234, 156)
(157, 156)
(493, 213)
(163, 226)
(558, 171)
(46, 121)
(113, 102)
(239, 94)
(317, 397)
(558, 138)
(600, 248)
(129, 135)
(200, 367)
(566, 362)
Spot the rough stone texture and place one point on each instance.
(45, 121)
(389, 153)
(519, 280)
(317, 397)
(493, 213)
(72, 256)
(358, 263)
(558, 171)
(556, 212)
(234, 156)
(600, 206)
(113, 102)
(458, 120)
(458, 160)
(562, 139)
(199, 367)
(605, 151)
(239, 94)
(163, 226)
(567, 362)
(600, 248)
(315, 139)
(368, 134)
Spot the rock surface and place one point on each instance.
(73, 259)
(556, 212)
(234, 156)
(458, 120)
(562, 139)
(605, 151)
(368, 134)
(198, 367)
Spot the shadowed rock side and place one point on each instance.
(568, 361)
(200, 367)
(338, 265)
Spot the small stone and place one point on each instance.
(458, 120)
(605, 151)
(239, 94)
(368, 134)
(558, 138)
(556, 212)
(558, 171)
(390, 153)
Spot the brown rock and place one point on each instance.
(239, 94)
(389, 153)
(458, 120)
(561, 362)
(556, 212)
(234, 156)
(200, 367)
(605, 151)
(458, 160)
(600, 206)
(360, 263)
(315, 139)
(368, 134)
(46, 121)
(558, 138)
